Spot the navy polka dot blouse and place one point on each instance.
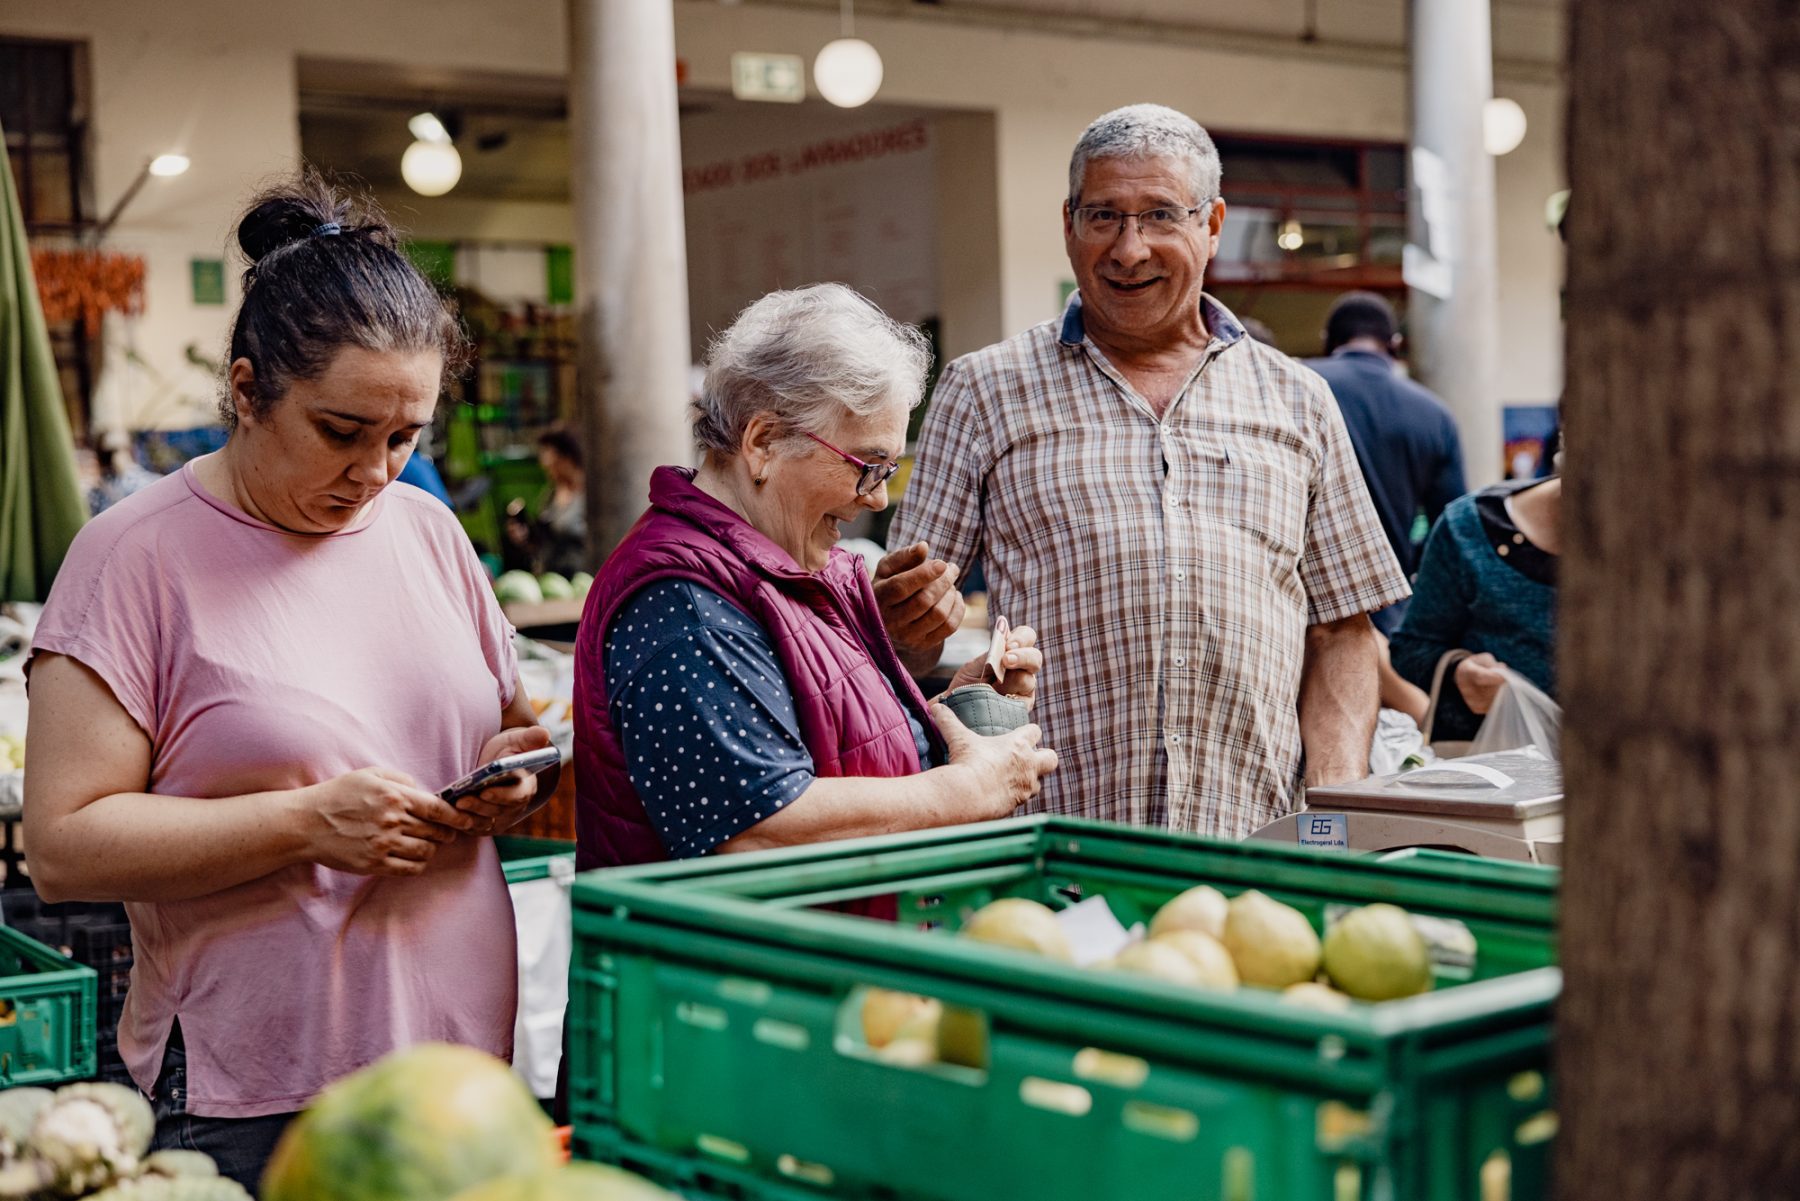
(706, 717)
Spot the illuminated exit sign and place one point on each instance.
(780, 77)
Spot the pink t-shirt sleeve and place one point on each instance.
(103, 612)
(495, 632)
(496, 636)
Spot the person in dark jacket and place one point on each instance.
(1405, 439)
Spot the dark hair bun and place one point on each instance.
(293, 209)
(274, 223)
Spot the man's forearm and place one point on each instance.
(1340, 697)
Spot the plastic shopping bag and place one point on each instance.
(1397, 740)
(1522, 715)
(541, 909)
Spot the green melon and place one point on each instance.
(555, 586)
(518, 588)
(420, 1125)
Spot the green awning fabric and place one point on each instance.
(41, 505)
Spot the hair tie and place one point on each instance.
(327, 229)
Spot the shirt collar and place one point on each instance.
(1219, 320)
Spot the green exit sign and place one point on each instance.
(779, 77)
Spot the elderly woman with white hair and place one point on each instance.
(734, 686)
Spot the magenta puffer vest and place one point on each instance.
(827, 633)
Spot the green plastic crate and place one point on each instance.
(716, 1042)
(532, 858)
(47, 1007)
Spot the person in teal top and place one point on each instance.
(1486, 586)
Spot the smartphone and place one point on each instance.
(491, 775)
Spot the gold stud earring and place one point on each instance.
(760, 481)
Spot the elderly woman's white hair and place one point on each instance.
(1148, 131)
(808, 356)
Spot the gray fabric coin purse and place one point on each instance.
(986, 711)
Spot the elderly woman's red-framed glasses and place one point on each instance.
(873, 476)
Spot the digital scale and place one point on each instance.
(1504, 805)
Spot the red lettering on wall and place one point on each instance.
(909, 138)
(713, 175)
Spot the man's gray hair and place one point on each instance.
(1148, 131)
(808, 356)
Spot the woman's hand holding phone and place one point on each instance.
(377, 822)
(503, 803)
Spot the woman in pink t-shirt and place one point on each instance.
(248, 683)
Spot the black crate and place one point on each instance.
(55, 925)
(95, 934)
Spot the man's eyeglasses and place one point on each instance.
(1095, 224)
(873, 476)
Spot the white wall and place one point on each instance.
(218, 76)
(1531, 255)
(773, 202)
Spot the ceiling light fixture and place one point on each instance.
(431, 166)
(426, 127)
(847, 72)
(164, 166)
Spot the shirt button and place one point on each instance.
(1174, 740)
(1180, 576)
(1180, 661)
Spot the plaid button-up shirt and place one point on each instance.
(1170, 566)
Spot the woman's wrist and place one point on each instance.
(296, 821)
(959, 790)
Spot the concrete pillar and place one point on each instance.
(630, 255)
(1454, 301)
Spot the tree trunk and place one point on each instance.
(1679, 1060)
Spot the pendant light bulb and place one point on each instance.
(847, 72)
(431, 168)
(1502, 125)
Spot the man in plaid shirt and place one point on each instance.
(1175, 508)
